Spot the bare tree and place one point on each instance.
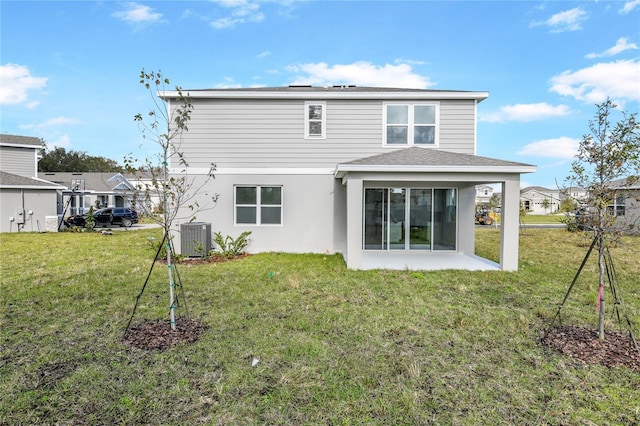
(164, 189)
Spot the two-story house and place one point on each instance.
(384, 176)
(27, 203)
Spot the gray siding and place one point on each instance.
(19, 161)
(270, 133)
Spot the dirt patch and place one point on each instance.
(616, 350)
(158, 335)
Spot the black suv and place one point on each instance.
(121, 216)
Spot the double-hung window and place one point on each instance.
(411, 124)
(315, 120)
(258, 205)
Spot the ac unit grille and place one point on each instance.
(195, 239)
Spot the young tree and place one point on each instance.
(160, 189)
(609, 153)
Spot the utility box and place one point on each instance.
(195, 239)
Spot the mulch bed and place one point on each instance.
(205, 260)
(157, 335)
(616, 350)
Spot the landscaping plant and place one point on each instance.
(610, 152)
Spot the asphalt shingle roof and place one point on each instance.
(416, 156)
(11, 180)
(95, 181)
(20, 140)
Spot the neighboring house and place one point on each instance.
(626, 205)
(483, 195)
(575, 193)
(84, 190)
(27, 203)
(540, 200)
(386, 177)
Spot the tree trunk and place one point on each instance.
(172, 314)
(601, 288)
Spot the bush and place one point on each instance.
(228, 247)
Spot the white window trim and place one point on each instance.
(323, 134)
(410, 124)
(258, 206)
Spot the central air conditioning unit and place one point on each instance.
(195, 239)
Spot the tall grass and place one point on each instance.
(334, 346)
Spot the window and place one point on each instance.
(411, 124)
(258, 205)
(314, 120)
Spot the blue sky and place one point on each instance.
(69, 70)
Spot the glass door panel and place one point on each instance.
(420, 219)
(375, 211)
(397, 218)
(444, 219)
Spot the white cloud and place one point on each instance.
(15, 83)
(621, 45)
(53, 123)
(360, 73)
(569, 20)
(264, 54)
(618, 80)
(563, 147)
(241, 11)
(526, 112)
(63, 141)
(629, 7)
(138, 14)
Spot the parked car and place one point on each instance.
(121, 216)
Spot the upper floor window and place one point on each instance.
(258, 205)
(411, 124)
(315, 120)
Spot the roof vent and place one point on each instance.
(344, 86)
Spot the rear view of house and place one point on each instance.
(387, 177)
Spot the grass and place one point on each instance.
(334, 346)
(542, 219)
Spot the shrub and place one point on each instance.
(228, 247)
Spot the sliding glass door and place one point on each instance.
(409, 219)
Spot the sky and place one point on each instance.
(69, 70)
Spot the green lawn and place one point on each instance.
(542, 219)
(334, 346)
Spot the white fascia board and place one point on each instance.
(329, 94)
(21, 145)
(252, 171)
(53, 188)
(341, 171)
